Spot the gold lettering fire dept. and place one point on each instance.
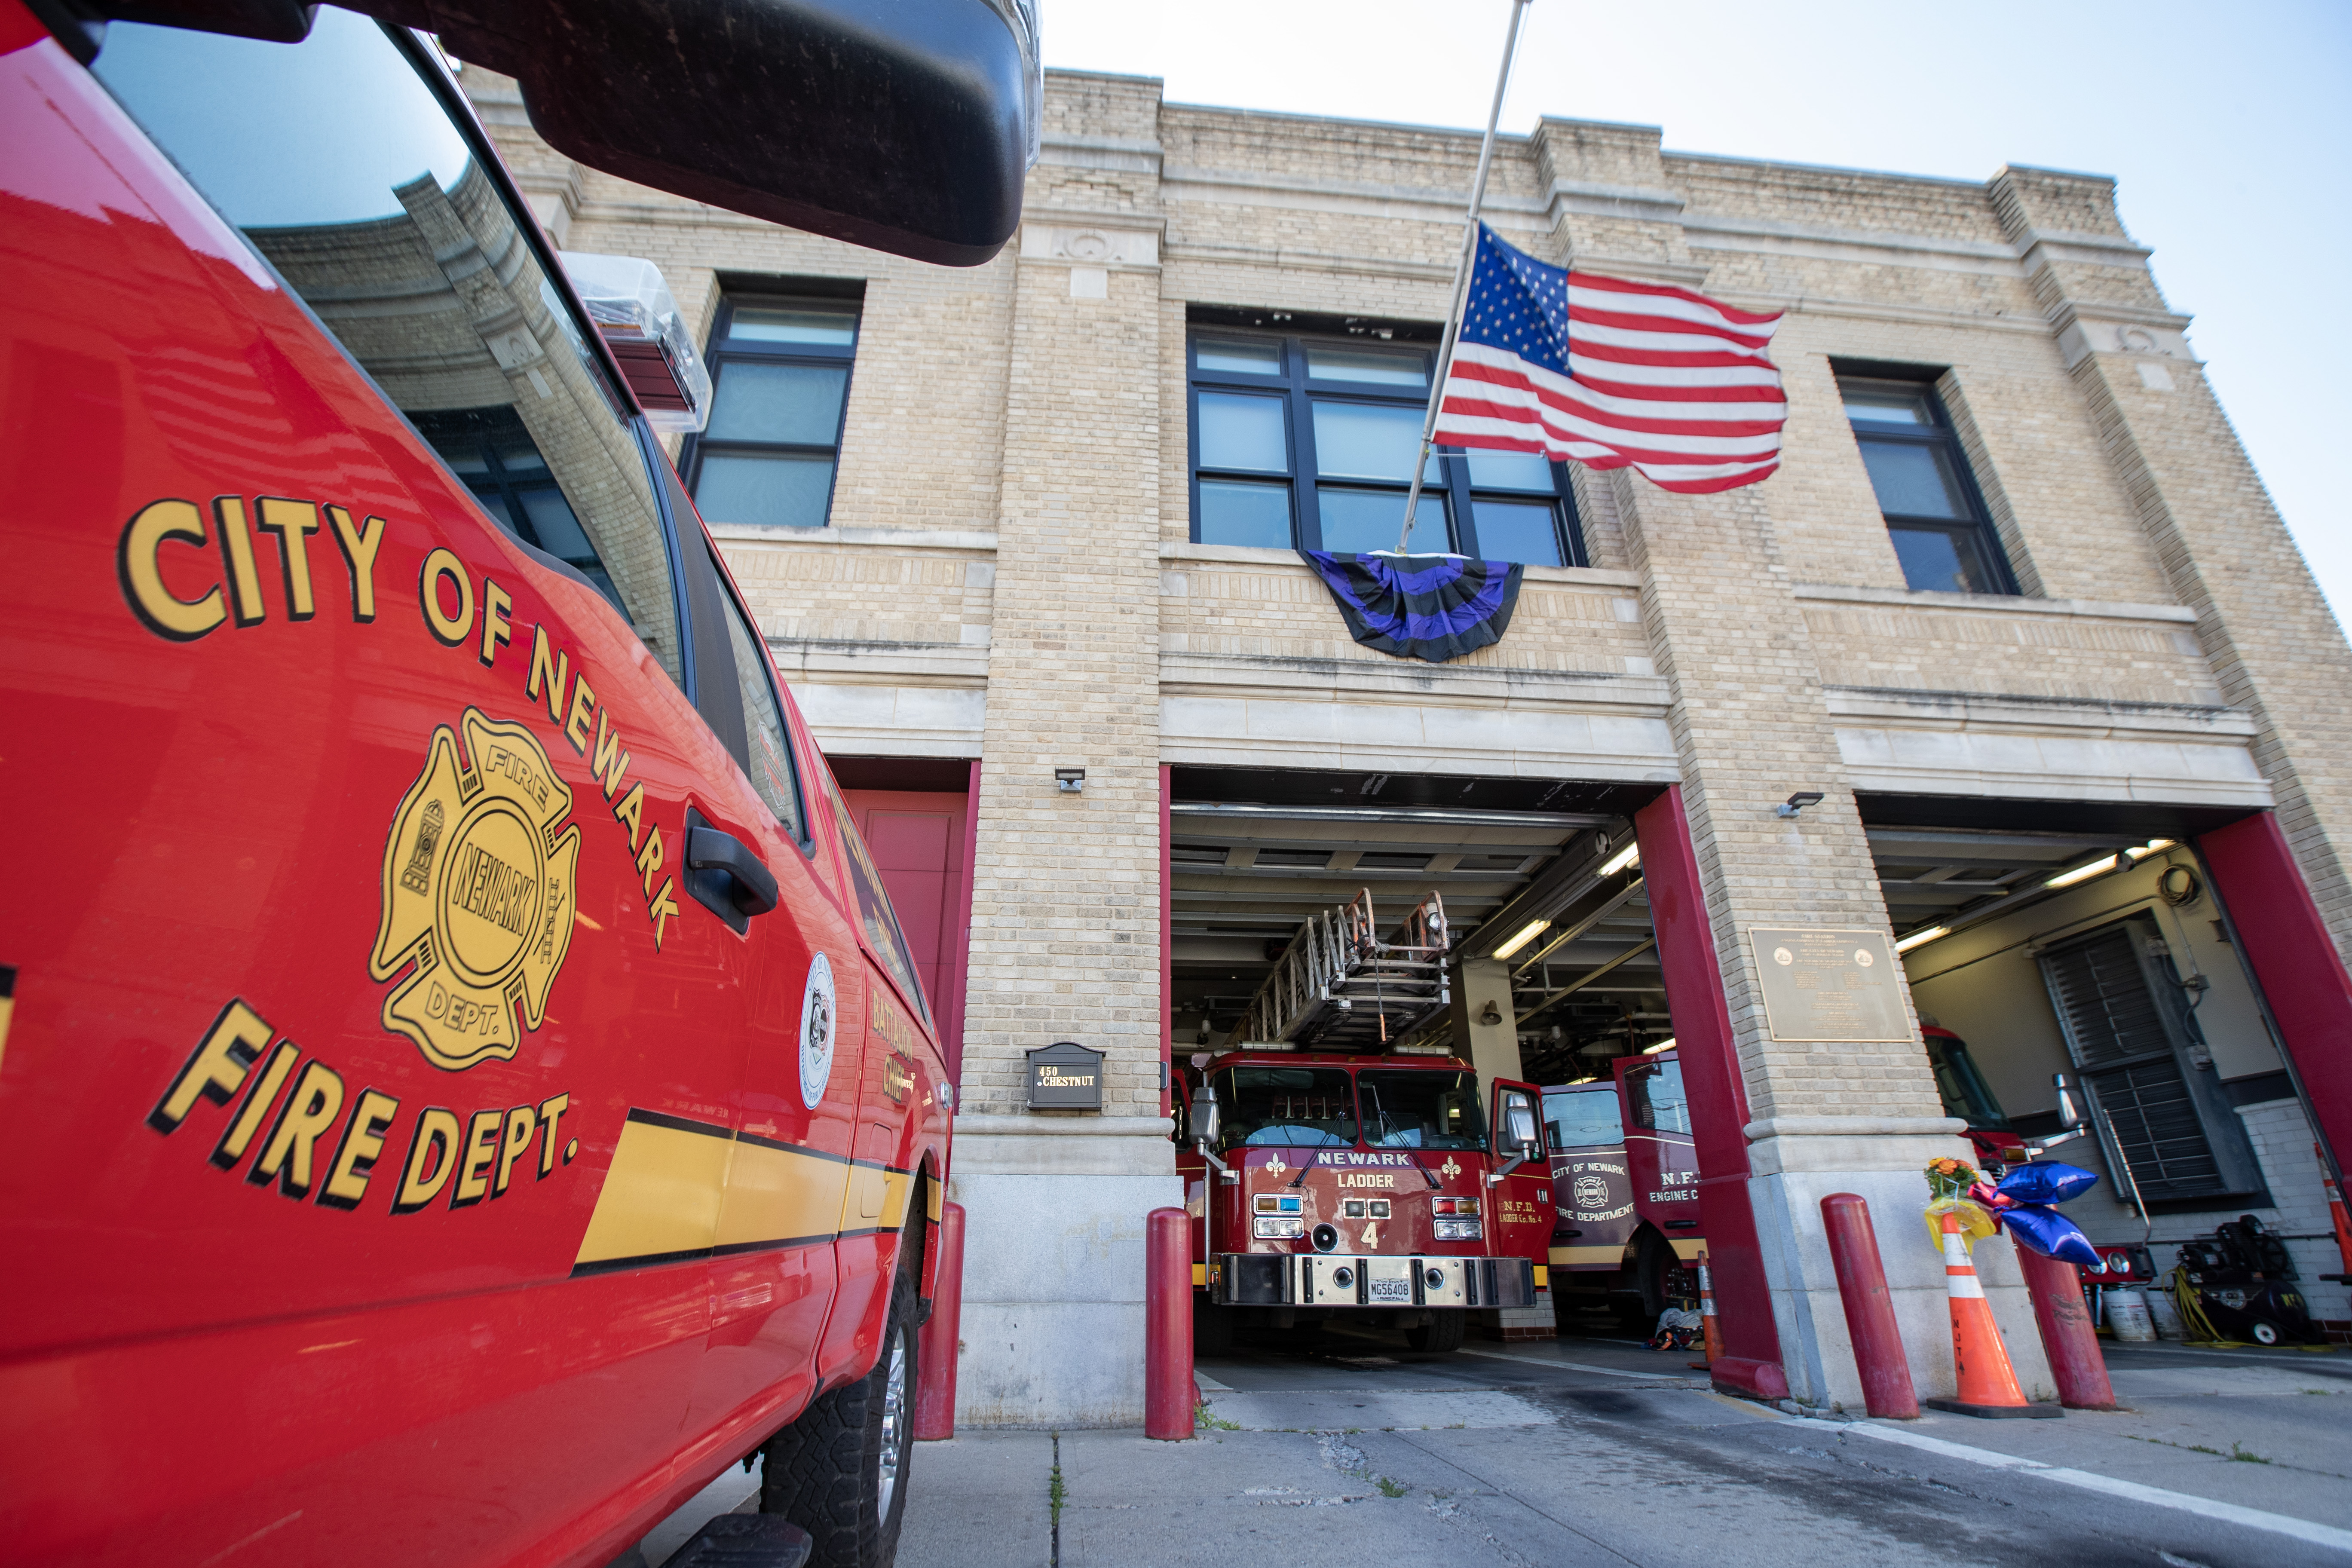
(478, 894)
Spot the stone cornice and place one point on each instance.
(1250, 555)
(975, 541)
(1995, 604)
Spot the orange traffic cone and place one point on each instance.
(2336, 1213)
(1988, 1385)
(1707, 1313)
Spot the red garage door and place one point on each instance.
(917, 840)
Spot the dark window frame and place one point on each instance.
(1939, 436)
(1455, 493)
(722, 352)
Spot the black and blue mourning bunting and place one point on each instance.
(1430, 607)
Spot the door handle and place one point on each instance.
(724, 876)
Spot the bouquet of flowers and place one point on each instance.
(2018, 1202)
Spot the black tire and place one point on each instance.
(840, 1471)
(1442, 1332)
(1212, 1328)
(1662, 1278)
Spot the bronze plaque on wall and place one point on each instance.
(1064, 1075)
(1830, 986)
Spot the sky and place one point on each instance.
(2228, 129)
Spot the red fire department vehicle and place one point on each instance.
(1337, 1169)
(1625, 1174)
(461, 1084)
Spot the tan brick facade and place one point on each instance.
(1010, 573)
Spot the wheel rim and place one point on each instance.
(894, 1420)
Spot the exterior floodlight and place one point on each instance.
(1629, 855)
(1527, 934)
(1922, 938)
(1070, 781)
(1798, 801)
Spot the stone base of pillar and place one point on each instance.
(1052, 1272)
(1798, 1162)
(1536, 1322)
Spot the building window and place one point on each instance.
(1305, 441)
(781, 367)
(491, 449)
(1942, 534)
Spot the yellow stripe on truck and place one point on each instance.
(1200, 1277)
(1543, 1277)
(1605, 1256)
(680, 1188)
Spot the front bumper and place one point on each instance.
(1353, 1280)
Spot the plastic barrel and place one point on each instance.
(2128, 1316)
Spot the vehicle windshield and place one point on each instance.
(1297, 1107)
(1656, 1092)
(1961, 1088)
(1405, 1109)
(1583, 1118)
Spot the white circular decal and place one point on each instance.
(1781, 956)
(1864, 957)
(817, 1025)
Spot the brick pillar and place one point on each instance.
(1066, 940)
(2263, 625)
(1751, 726)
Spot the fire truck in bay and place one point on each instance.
(462, 1085)
(1338, 1169)
(1625, 1174)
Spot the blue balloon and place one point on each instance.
(2053, 1234)
(2045, 1182)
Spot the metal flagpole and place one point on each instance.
(1462, 267)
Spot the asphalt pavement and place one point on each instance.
(1351, 1447)
(1354, 1448)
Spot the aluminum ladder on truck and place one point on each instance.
(1339, 986)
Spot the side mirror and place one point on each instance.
(1206, 1121)
(1522, 1119)
(2069, 1117)
(907, 127)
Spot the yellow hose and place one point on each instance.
(2193, 1320)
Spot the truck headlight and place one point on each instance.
(1460, 1229)
(1279, 1229)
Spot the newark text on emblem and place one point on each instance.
(478, 898)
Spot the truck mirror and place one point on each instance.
(1522, 1117)
(1206, 1121)
(906, 128)
(2069, 1118)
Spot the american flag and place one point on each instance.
(1612, 373)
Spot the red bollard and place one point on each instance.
(1169, 1396)
(935, 1369)
(2068, 1336)
(1869, 1311)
